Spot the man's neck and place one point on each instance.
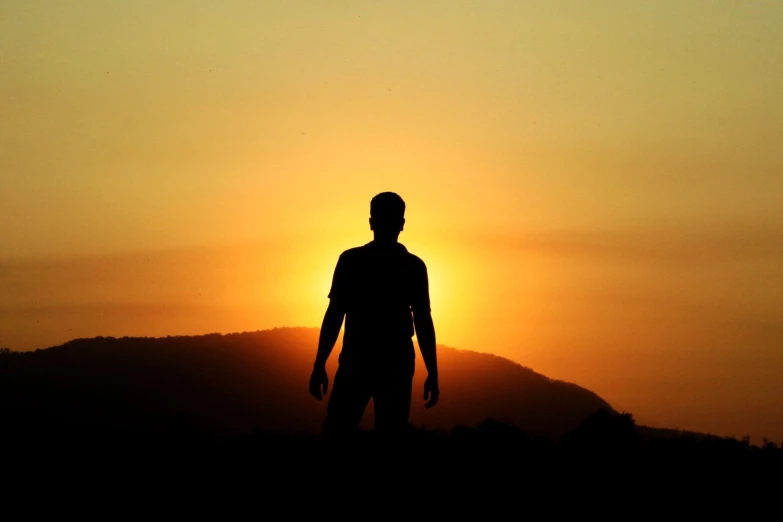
(385, 241)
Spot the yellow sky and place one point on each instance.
(595, 186)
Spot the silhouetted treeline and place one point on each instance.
(486, 466)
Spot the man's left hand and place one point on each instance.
(431, 391)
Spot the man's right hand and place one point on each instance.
(319, 382)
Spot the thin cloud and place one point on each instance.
(652, 244)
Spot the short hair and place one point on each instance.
(387, 205)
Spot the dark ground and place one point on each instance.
(605, 464)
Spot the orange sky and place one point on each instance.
(596, 188)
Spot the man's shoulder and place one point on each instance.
(416, 261)
(364, 251)
(411, 258)
(353, 252)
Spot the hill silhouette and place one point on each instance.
(228, 417)
(256, 381)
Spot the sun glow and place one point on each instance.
(303, 278)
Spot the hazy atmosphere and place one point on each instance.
(596, 187)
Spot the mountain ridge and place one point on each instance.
(245, 381)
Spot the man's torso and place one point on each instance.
(377, 286)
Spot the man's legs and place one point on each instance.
(392, 396)
(349, 398)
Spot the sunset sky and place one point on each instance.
(596, 187)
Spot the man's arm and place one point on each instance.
(425, 333)
(330, 330)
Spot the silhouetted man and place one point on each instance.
(382, 292)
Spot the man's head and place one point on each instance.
(387, 216)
